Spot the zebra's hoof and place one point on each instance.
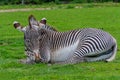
(106, 61)
(23, 61)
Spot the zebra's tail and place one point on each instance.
(113, 53)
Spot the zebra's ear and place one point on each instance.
(32, 21)
(18, 26)
(43, 21)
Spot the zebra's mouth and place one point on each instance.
(37, 57)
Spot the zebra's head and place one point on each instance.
(31, 38)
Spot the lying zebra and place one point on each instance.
(84, 45)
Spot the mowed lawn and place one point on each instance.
(12, 44)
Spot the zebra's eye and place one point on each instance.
(40, 39)
(27, 40)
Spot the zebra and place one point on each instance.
(71, 47)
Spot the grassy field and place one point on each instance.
(12, 45)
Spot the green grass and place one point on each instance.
(12, 45)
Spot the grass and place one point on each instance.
(12, 45)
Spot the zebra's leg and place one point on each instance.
(26, 61)
(45, 58)
(29, 58)
(112, 57)
(103, 57)
(98, 58)
(107, 56)
(72, 60)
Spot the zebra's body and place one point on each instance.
(83, 45)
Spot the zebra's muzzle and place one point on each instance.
(37, 57)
